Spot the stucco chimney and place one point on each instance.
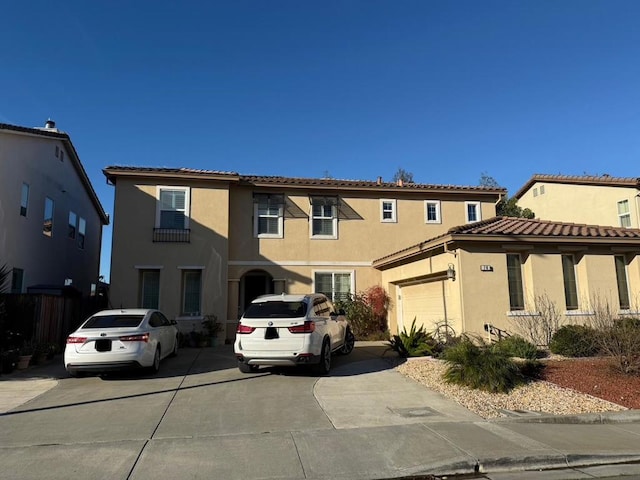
(400, 182)
(50, 124)
(379, 181)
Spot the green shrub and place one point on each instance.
(481, 367)
(516, 346)
(574, 341)
(415, 343)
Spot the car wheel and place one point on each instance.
(349, 342)
(155, 368)
(246, 368)
(175, 347)
(324, 366)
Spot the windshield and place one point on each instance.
(114, 321)
(277, 309)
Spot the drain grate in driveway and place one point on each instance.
(413, 412)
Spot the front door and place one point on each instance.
(253, 284)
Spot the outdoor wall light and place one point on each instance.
(451, 272)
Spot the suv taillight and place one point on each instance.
(244, 329)
(143, 337)
(306, 327)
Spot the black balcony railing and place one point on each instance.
(172, 235)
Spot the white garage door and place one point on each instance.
(424, 302)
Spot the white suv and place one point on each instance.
(291, 330)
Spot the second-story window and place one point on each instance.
(73, 222)
(47, 226)
(388, 211)
(624, 215)
(82, 228)
(24, 199)
(324, 217)
(472, 211)
(268, 218)
(173, 208)
(432, 211)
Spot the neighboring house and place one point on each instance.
(491, 272)
(50, 217)
(602, 200)
(199, 242)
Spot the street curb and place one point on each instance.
(628, 416)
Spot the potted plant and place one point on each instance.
(212, 328)
(26, 352)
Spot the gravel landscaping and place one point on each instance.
(537, 396)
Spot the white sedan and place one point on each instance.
(291, 330)
(121, 339)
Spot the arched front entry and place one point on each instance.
(253, 284)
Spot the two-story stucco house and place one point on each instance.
(50, 217)
(601, 200)
(195, 242)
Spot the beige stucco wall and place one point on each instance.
(588, 204)
(45, 260)
(478, 297)
(133, 248)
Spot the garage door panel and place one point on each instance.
(424, 302)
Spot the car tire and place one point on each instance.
(323, 367)
(155, 367)
(175, 348)
(246, 368)
(349, 343)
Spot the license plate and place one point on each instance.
(271, 333)
(103, 345)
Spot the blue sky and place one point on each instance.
(357, 89)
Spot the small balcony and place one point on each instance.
(171, 235)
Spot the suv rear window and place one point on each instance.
(114, 321)
(276, 309)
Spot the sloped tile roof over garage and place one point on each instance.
(510, 230)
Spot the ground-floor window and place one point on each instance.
(570, 284)
(191, 292)
(335, 285)
(149, 288)
(623, 286)
(514, 276)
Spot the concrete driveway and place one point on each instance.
(107, 427)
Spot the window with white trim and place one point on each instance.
(473, 213)
(335, 285)
(150, 288)
(82, 231)
(570, 283)
(73, 224)
(172, 208)
(621, 280)
(268, 216)
(24, 199)
(324, 217)
(432, 211)
(514, 277)
(624, 214)
(388, 211)
(191, 292)
(47, 225)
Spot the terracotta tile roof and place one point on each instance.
(510, 229)
(602, 180)
(300, 182)
(541, 228)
